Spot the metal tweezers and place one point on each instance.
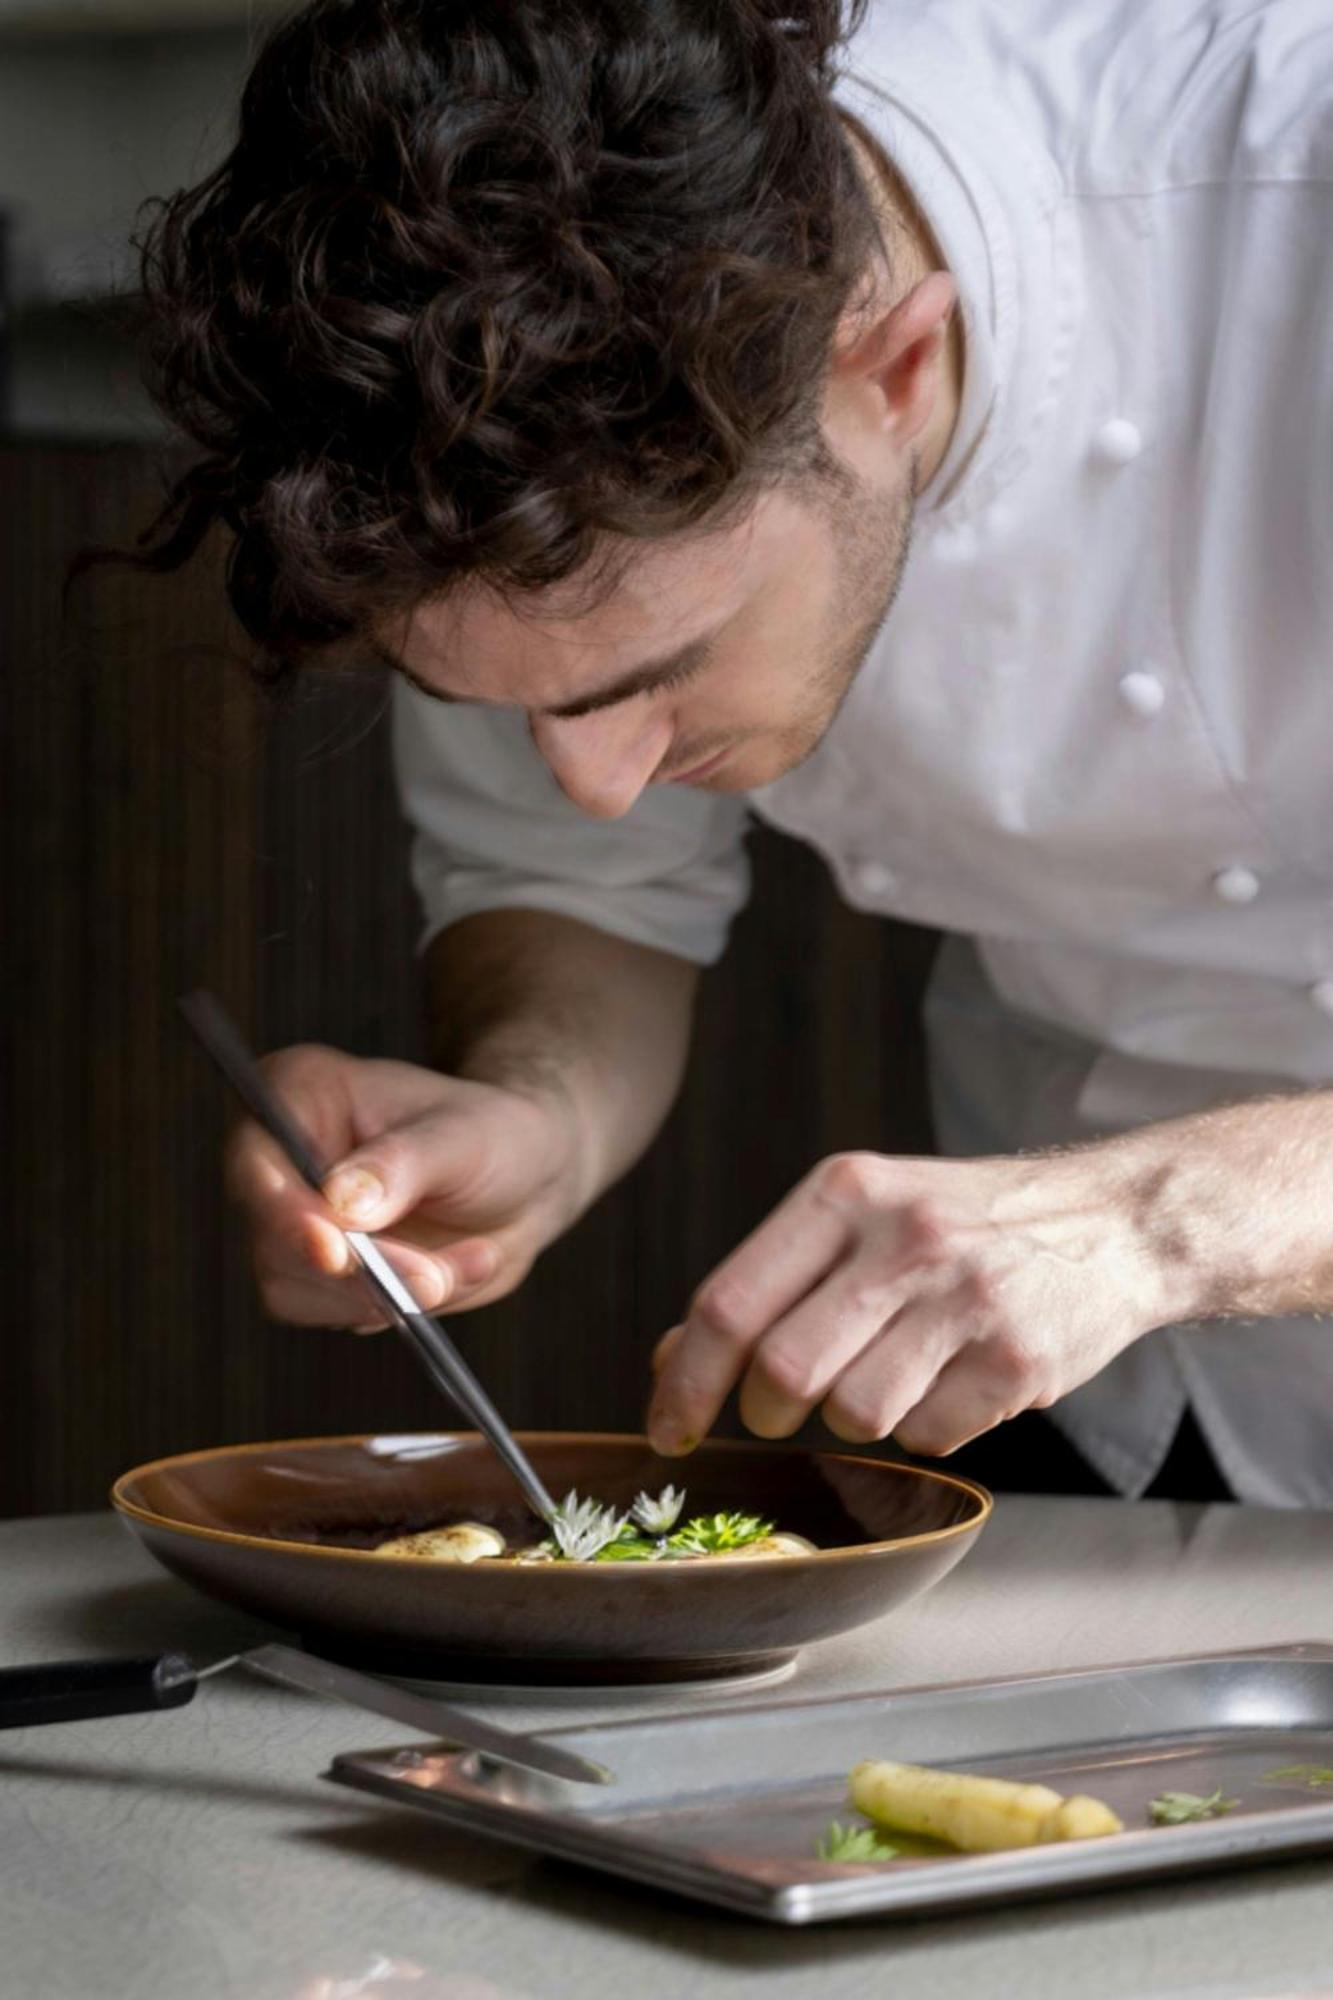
(424, 1335)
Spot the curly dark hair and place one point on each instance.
(484, 282)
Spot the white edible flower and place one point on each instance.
(582, 1528)
(658, 1517)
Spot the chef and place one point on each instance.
(1034, 644)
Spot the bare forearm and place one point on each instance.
(541, 1002)
(1236, 1206)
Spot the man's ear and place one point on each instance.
(895, 364)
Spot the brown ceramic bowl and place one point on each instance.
(288, 1531)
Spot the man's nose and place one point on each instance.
(603, 761)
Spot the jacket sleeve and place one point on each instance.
(492, 830)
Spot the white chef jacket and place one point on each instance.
(1095, 736)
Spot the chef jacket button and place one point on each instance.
(1235, 884)
(1321, 995)
(1142, 693)
(872, 878)
(1118, 441)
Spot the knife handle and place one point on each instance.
(76, 1690)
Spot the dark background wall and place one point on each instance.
(164, 827)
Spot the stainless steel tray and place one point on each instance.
(727, 1804)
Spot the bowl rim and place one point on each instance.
(132, 1510)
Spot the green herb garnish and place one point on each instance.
(853, 1843)
(630, 1548)
(1175, 1808)
(582, 1531)
(711, 1534)
(1312, 1776)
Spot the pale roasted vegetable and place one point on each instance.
(464, 1542)
(977, 1814)
(779, 1544)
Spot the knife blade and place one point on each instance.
(83, 1690)
(434, 1718)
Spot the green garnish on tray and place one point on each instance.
(853, 1843)
(1313, 1776)
(1176, 1808)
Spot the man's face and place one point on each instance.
(718, 660)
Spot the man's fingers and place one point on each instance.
(304, 1294)
(306, 1302)
(960, 1405)
(984, 1385)
(258, 1174)
(326, 1246)
(421, 1162)
(470, 1269)
(876, 1390)
(433, 1158)
(292, 1228)
(310, 1082)
(304, 1264)
(374, 1186)
(773, 1269)
(314, 1301)
(798, 1360)
(940, 1328)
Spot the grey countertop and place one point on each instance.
(194, 1855)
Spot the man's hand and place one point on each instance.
(469, 1180)
(927, 1299)
(558, 1050)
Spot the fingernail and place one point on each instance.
(668, 1438)
(355, 1194)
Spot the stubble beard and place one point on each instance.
(873, 535)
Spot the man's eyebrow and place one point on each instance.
(643, 679)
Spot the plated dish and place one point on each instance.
(653, 1528)
(293, 1532)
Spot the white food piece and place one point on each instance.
(980, 1815)
(463, 1542)
(768, 1545)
